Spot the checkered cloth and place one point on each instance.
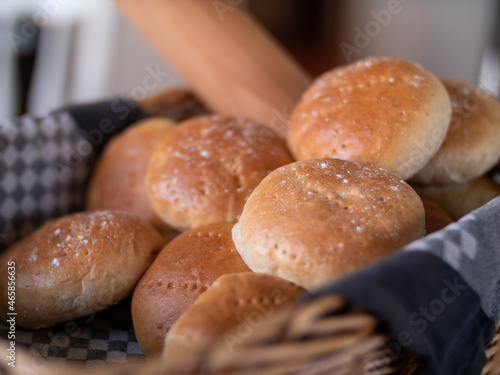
(45, 162)
(440, 295)
(106, 337)
(44, 166)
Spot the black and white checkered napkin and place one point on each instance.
(45, 162)
(44, 166)
(41, 174)
(106, 337)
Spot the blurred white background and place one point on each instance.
(85, 51)
(452, 38)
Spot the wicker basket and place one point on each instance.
(326, 336)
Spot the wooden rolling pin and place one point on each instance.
(226, 57)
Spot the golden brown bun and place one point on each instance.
(76, 265)
(313, 221)
(175, 104)
(387, 112)
(183, 270)
(472, 145)
(230, 310)
(435, 217)
(205, 169)
(460, 199)
(118, 180)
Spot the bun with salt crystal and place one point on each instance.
(387, 112)
(183, 270)
(118, 180)
(313, 221)
(76, 265)
(204, 170)
(471, 147)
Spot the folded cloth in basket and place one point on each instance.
(46, 161)
(439, 296)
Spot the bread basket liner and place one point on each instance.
(439, 296)
(45, 161)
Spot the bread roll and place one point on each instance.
(183, 270)
(460, 199)
(76, 265)
(118, 180)
(387, 112)
(205, 169)
(472, 145)
(230, 310)
(176, 104)
(435, 217)
(313, 221)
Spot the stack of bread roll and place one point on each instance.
(457, 176)
(241, 221)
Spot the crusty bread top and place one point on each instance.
(76, 265)
(205, 169)
(118, 180)
(472, 144)
(315, 220)
(387, 112)
(228, 311)
(183, 270)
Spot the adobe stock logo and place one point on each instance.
(420, 319)
(425, 316)
(364, 36)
